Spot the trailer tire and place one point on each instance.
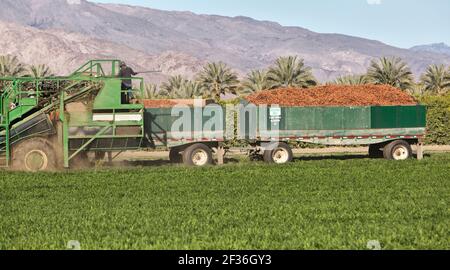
(34, 155)
(376, 151)
(175, 156)
(280, 154)
(397, 150)
(198, 155)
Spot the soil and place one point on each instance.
(334, 95)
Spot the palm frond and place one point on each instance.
(218, 79)
(351, 80)
(391, 71)
(256, 81)
(39, 71)
(290, 72)
(436, 79)
(10, 66)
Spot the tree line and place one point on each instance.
(217, 79)
(10, 66)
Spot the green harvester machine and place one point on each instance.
(55, 122)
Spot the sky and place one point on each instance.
(401, 23)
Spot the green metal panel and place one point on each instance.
(398, 117)
(109, 95)
(298, 118)
(159, 121)
(324, 118)
(332, 118)
(318, 118)
(353, 132)
(410, 116)
(384, 117)
(356, 117)
(348, 125)
(19, 112)
(28, 102)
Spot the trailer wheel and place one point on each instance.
(34, 155)
(197, 155)
(280, 154)
(397, 150)
(375, 151)
(175, 156)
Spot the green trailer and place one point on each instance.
(389, 131)
(61, 122)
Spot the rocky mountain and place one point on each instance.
(64, 32)
(63, 52)
(440, 48)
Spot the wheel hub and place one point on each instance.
(400, 153)
(200, 158)
(36, 160)
(280, 156)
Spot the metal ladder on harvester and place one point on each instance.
(4, 130)
(27, 109)
(4, 147)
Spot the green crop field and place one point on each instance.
(314, 203)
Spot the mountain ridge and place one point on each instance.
(441, 48)
(63, 52)
(242, 42)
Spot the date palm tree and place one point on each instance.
(436, 79)
(151, 91)
(290, 72)
(191, 89)
(39, 71)
(351, 80)
(173, 84)
(417, 89)
(391, 71)
(10, 66)
(256, 81)
(179, 87)
(218, 79)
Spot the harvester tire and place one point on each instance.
(281, 153)
(198, 155)
(175, 156)
(398, 150)
(34, 155)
